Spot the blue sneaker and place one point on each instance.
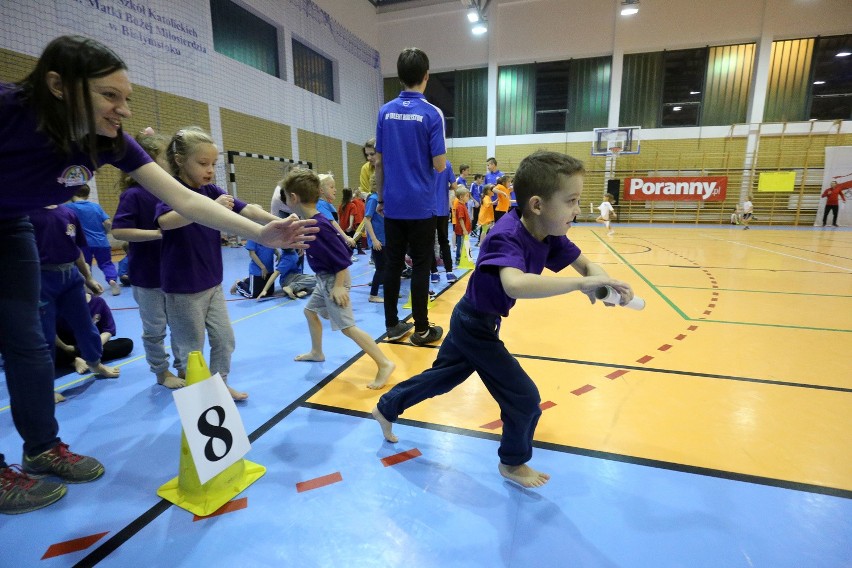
(435, 278)
(451, 277)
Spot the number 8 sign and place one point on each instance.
(212, 425)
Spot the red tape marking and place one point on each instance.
(644, 359)
(711, 305)
(401, 457)
(75, 545)
(547, 404)
(492, 425)
(692, 327)
(228, 507)
(680, 337)
(583, 390)
(616, 374)
(707, 312)
(665, 347)
(318, 482)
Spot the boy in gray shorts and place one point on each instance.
(329, 257)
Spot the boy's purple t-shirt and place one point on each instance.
(101, 317)
(137, 209)
(92, 217)
(409, 133)
(33, 173)
(328, 254)
(191, 258)
(510, 244)
(59, 235)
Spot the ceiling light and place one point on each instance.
(694, 92)
(473, 15)
(819, 82)
(844, 54)
(479, 29)
(676, 108)
(629, 7)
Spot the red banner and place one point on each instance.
(711, 188)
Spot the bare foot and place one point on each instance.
(234, 289)
(318, 357)
(387, 427)
(523, 475)
(289, 291)
(385, 370)
(237, 395)
(301, 294)
(169, 380)
(102, 371)
(57, 398)
(80, 366)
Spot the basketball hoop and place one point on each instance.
(615, 150)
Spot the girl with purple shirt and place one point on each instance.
(57, 126)
(135, 221)
(191, 258)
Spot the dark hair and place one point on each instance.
(371, 143)
(76, 59)
(477, 176)
(463, 167)
(83, 191)
(412, 66)
(539, 173)
(347, 197)
(491, 160)
(304, 183)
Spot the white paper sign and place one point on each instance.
(212, 425)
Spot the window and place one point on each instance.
(831, 81)
(683, 82)
(312, 71)
(441, 92)
(551, 96)
(240, 35)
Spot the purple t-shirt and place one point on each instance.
(92, 217)
(137, 209)
(510, 244)
(191, 258)
(409, 133)
(58, 234)
(328, 254)
(33, 173)
(101, 317)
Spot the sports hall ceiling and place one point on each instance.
(403, 4)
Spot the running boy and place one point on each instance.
(330, 260)
(607, 214)
(511, 259)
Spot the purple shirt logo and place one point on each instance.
(71, 230)
(74, 176)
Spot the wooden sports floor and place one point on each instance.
(713, 428)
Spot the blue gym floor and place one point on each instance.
(440, 500)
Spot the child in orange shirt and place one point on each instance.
(461, 225)
(486, 212)
(503, 198)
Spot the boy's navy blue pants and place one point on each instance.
(473, 344)
(64, 292)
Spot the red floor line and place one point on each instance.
(401, 457)
(692, 327)
(228, 507)
(681, 337)
(615, 374)
(499, 423)
(74, 545)
(707, 312)
(582, 390)
(665, 347)
(644, 359)
(318, 482)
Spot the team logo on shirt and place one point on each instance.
(71, 230)
(74, 176)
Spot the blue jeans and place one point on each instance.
(29, 368)
(63, 292)
(473, 344)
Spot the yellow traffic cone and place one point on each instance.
(186, 490)
(407, 304)
(465, 261)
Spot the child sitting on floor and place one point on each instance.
(329, 258)
(292, 280)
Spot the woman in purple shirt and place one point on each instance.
(56, 127)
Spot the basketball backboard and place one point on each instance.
(618, 141)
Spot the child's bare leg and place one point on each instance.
(387, 426)
(523, 475)
(315, 327)
(365, 342)
(169, 380)
(101, 370)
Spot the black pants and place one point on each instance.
(418, 236)
(117, 348)
(442, 223)
(834, 209)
